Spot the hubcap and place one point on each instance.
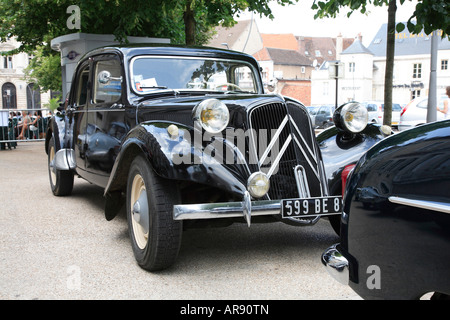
(139, 211)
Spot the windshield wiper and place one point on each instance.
(152, 94)
(154, 87)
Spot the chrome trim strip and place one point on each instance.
(312, 153)
(226, 210)
(422, 204)
(307, 158)
(336, 264)
(273, 141)
(275, 163)
(302, 182)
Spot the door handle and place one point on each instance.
(117, 106)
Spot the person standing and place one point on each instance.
(446, 109)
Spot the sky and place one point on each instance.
(299, 20)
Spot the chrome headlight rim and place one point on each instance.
(352, 117)
(258, 191)
(212, 114)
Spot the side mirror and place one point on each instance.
(271, 86)
(105, 76)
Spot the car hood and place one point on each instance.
(179, 108)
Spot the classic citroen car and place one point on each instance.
(395, 230)
(187, 136)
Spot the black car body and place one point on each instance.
(395, 230)
(187, 137)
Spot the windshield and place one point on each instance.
(156, 73)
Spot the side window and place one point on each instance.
(423, 104)
(107, 81)
(82, 86)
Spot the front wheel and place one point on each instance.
(155, 236)
(61, 181)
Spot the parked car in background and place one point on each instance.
(312, 114)
(395, 224)
(185, 137)
(415, 113)
(324, 117)
(376, 112)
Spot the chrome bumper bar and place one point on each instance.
(246, 208)
(336, 264)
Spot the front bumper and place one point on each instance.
(323, 206)
(336, 264)
(246, 208)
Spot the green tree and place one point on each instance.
(35, 22)
(44, 70)
(430, 15)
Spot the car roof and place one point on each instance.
(132, 50)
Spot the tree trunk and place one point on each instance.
(189, 24)
(389, 72)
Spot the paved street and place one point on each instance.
(63, 248)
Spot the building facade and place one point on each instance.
(17, 93)
(412, 65)
(362, 70)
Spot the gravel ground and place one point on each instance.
(63, 248)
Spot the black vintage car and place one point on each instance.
(395, 231)
(186, 137)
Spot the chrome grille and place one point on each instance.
(290, 144)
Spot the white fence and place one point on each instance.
(20, 125)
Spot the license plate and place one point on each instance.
(311, 207)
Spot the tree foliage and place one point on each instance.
(35, 22)
(429, 15)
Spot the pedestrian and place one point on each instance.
(446, 109)
(23, 125)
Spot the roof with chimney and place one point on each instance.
(321, 48)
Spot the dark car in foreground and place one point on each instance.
(186, 137)
(395, 225)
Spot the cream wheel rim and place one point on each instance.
(139, 211)
(52, 165)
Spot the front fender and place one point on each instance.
(57, 128)
(340, 149)
(182, 156)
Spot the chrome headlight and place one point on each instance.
(258, 184)
(212, 114)
(352, 117)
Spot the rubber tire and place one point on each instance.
(61, 182)
(164, 239)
